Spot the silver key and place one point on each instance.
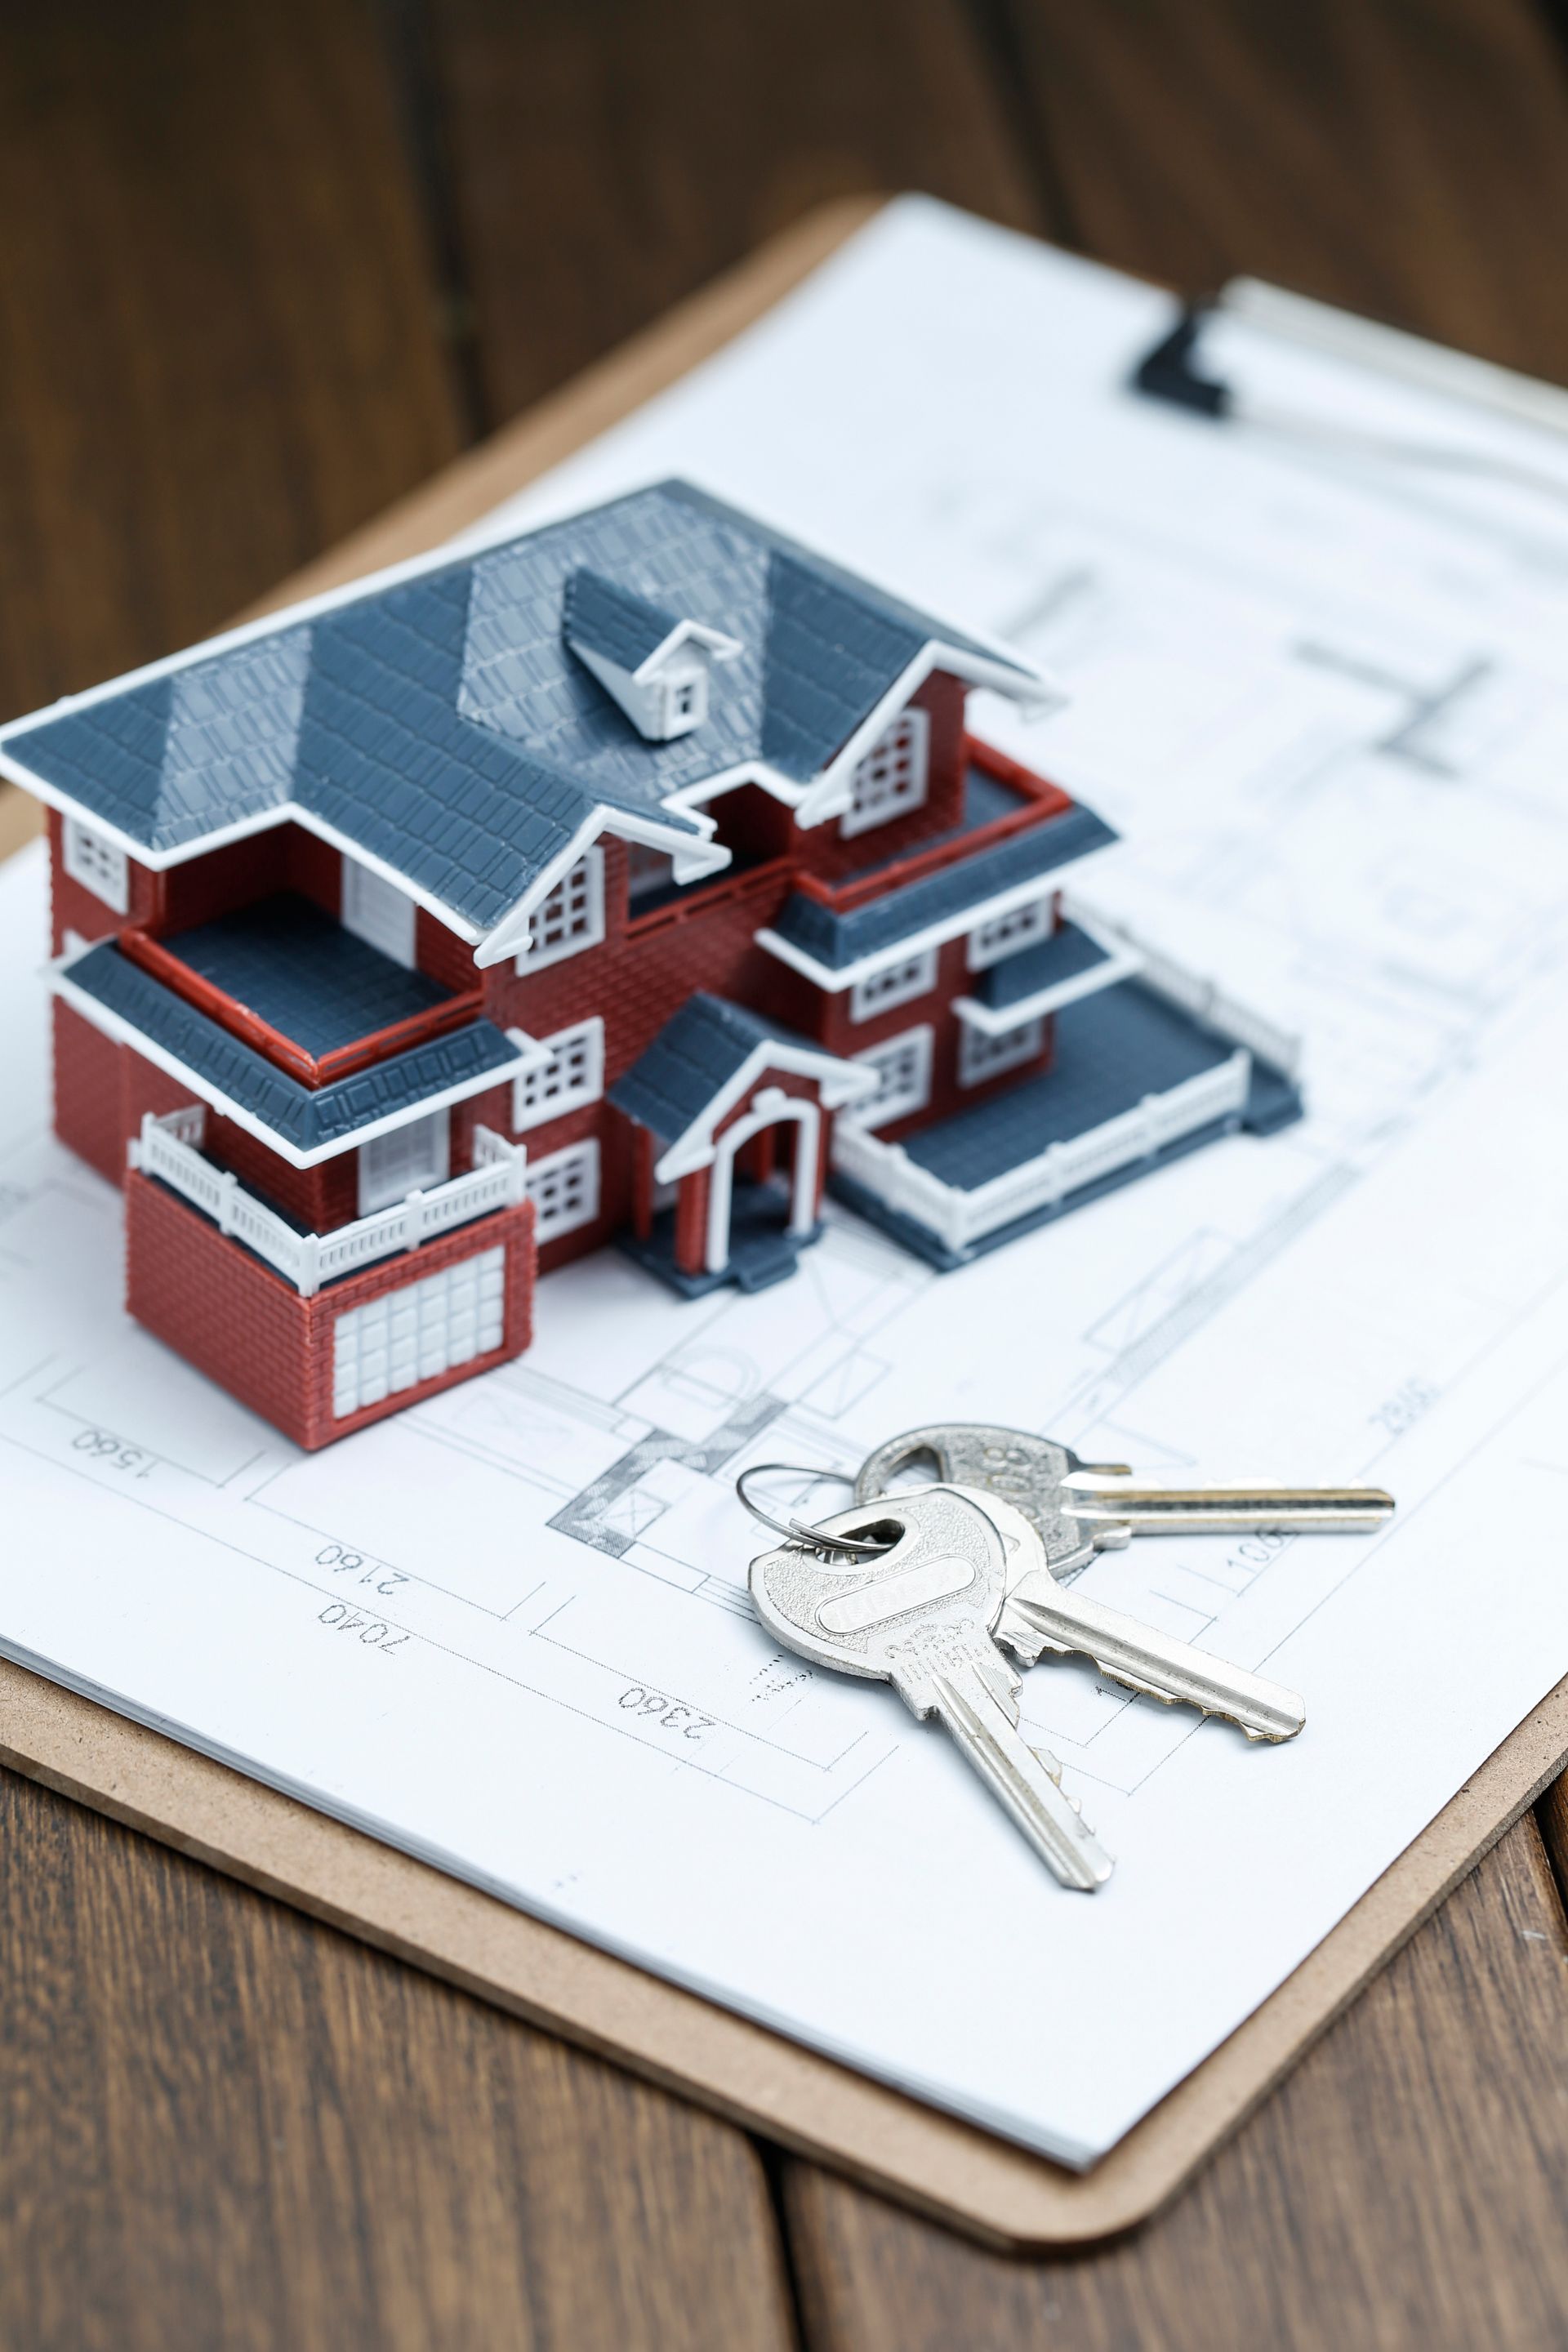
(919, 1616)
(1039, 1615)
(1080, 1508)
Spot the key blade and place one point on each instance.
(1150, 1662)
(1027, 1787)
(1103, 1501)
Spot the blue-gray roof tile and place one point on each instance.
(442, 724)
(691, 1060)
(838, 940)
(308, 1118)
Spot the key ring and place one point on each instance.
(795, 1529)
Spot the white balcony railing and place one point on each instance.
(169, 1149)
(961, 1219)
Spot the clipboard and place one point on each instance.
(811, 2105)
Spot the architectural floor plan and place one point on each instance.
(509, 1629)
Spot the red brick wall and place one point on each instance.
(283, 857)
(249, 1329)
(634, 982)
(442, 954)
(87, 1117)
(318, 1198)
(144, 1088)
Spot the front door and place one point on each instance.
(764, 1176)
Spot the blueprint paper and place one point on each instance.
(508, 1631)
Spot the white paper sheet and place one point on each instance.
(508, 1631)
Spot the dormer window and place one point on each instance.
(655, 663)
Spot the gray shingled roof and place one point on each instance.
(612, 620)
(692, 1059)
(837, 940)
(442, 724)
(306, 1117)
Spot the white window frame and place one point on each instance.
(551, 1224)
(685, 692)
(981, 1056)
(392, 1165)
(1009, 934)
(376, 911)
(576, 1067)
(894, 984)
(587, 879)
(91, 859)
(916, 1046)
(879, 792)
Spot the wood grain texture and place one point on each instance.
(1551, 1813)
(1408, 158)
(218, 346)
(222, 346)
(1405, 2190)
(224, 2125)
(610, 155)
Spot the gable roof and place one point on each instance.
(436, 722)
(704, 1060)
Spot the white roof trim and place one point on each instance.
(830, 792)
(934, 935)
(122, 1032)
(839, 1082)
(694, 855)
(722, 647)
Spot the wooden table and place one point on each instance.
(267, 265)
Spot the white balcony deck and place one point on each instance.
(170, 1149)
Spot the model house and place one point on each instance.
(634, 879)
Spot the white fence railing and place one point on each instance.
(961, 1219)
(168, 1149)
(1203, 999)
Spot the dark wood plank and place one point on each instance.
(218, 345)
(222, 2125)
(1411, 162)
(1405, 2189)
(609, 157)
(1551, 1813)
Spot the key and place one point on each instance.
(1078, 1507)
(919, 1617)
(1039, 1615)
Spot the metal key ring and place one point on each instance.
(797, 1529)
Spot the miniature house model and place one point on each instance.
(635, 879)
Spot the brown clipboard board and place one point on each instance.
(811, 2105)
